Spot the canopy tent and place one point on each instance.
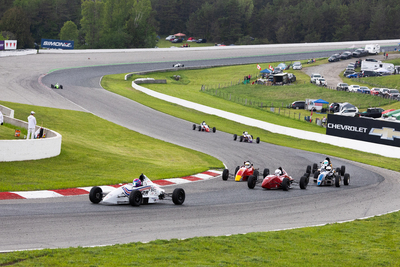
(179, 34)
(265, 71)
(321, 101)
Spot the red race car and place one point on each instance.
(279, 180)
(203, 127)
(241, 173)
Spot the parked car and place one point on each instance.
(347, 72)
(177, 40)
(360, 53)
(298, 105)
(375, 91)
(350, 112)
(297, 65)
(315, 76)
(393, 93)
(371, 60)
(364, 90)
(292, 77)
(321, 82)
(191, 39)
(345, 55)
(334, 58)
(370, 73)
(201, 41)
(342, 87)
(354, 75)
(383, 92)
(334, 107)
(372, 113)
(353, 88)
(170, 37)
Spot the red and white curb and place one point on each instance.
(207, 175)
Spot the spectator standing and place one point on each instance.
(31, 125)
(1, 118)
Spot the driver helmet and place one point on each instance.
(278, 172)
(245, 133)
(325, 163)
(247, 164)
(136, 182)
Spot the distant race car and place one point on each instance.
(141, 191)
(178, 65)
(56, 86)
(242, 173)
(279, 180)
(245, 137)
(203, 127)
(327, 175)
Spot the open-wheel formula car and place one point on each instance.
(242, 173)
(56, 86)
(327, 175)
(245, 137)
(178, 65)
(278, 180)
(203, 127)
(141, 191)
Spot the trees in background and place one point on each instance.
(134, 23)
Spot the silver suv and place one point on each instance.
(315, 76)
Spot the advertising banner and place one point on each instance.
(1, 45)
(364, 129)
(57, 44)
(10, 44)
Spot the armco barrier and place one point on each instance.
(383, 150)
(32, 149)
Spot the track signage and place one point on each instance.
(57, 44)
(364, 129)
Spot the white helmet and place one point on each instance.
(325, 163)
(247, 164)
(245, 133)
(278, 172)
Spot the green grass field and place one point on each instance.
(370, 242)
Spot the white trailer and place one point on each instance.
(373, 48)
(311, 105)
(371, 66)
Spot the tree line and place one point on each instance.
(137, 23)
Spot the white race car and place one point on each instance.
(147, 192)
(178, 65)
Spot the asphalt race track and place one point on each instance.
(213, 207)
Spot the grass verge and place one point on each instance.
(370, 242)
(96, 152)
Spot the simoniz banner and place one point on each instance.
(364, 129)
(57, 44)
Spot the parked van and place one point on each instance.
(373, 48)
(311, 105)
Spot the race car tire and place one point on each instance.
(251, 182)
(342, 170)
(316, 174)
(52, 86)
(236, 169)
(285, 184)
(337, 180)
(303, 182)
(214, 129)
(199, 128)
(338, 171)
(346, 179)
(96, 194)
(314, 167)
(234, 137)
(225, 174)
(258, 140)
(265, 172)
(178, 196)
(256, 173)
(194, 126)
(308, 169)
(135, 198)
(241, 139)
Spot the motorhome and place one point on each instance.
(373, 66)
(373, 48)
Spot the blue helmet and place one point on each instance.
(136, 182)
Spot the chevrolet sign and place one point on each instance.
(57, 44)
(364, 129)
